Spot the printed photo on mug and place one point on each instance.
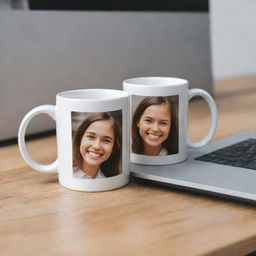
(97, 144)
(155, 122)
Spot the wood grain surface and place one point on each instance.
(40, 217)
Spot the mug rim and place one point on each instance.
(93, 94)
(153, 81)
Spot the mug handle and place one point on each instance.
(213, 110)
(44, 109)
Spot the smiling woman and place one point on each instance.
(155, 126)
(97, 145)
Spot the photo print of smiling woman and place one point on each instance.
(97, 144)
(155, 125)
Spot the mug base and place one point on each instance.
(95, 185)
(158, 160)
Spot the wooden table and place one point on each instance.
(40, 217)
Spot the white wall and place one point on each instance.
(233, 37)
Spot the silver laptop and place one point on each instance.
(224, 168)
(45, 52)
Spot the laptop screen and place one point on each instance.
(127, 5)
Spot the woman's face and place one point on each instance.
(154, 124)
(97, 142)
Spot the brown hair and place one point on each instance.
(110, 167)
(171, 143)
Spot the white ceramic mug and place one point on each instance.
(92, 139)
(159, 107)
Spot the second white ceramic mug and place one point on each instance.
(159, 109)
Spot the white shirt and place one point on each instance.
(163, 152)
(78, 173)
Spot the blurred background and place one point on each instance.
(50, 46)
(78, 117)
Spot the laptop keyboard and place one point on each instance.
(242, 154)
